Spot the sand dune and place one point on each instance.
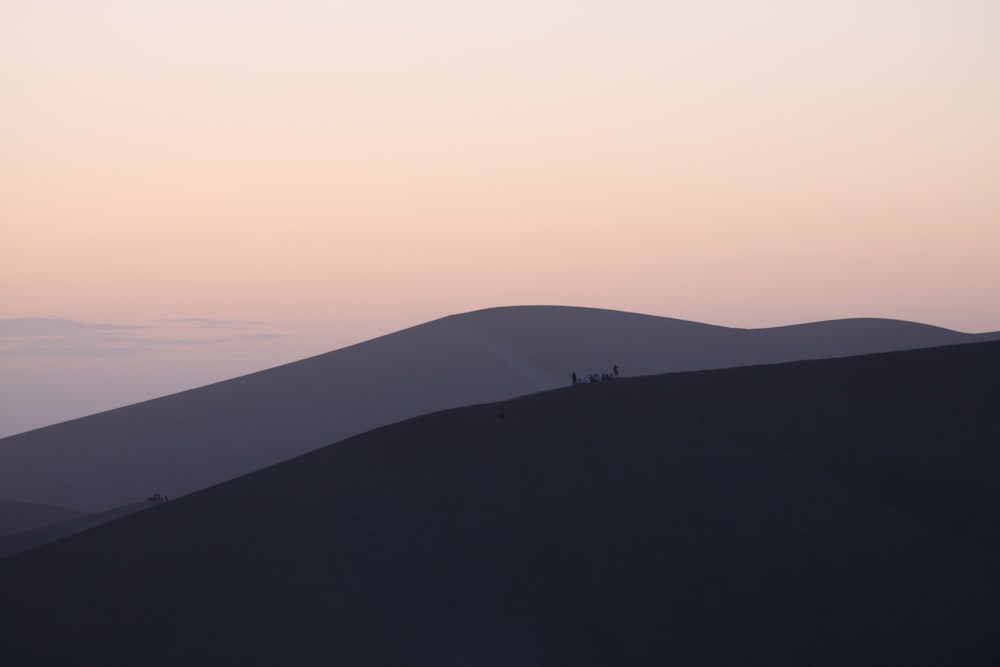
(52, 530)
(835, 512)
(191, 440)
(16, 517)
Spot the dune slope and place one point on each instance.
(824, 513)
(191, 440)
(16, 516)
(54, 530)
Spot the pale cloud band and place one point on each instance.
(66, 337)
(35, 327)
(213, 323)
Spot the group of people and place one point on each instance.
(157, 498)
(595, 377)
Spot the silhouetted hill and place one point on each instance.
(191, 440)
(835, 512)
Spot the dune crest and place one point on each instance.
(188, 441)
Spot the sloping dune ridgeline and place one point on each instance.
(188, 441)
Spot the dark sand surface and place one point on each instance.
(835, 512)
(188, 441)
(56, 530)
(16, 516)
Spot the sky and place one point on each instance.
(192, 190)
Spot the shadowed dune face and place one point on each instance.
(188, 441)
(817, 513)
(16, 517)
(50, 530)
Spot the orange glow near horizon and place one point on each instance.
(343, 169)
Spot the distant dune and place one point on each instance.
(191, 440)
(834, 512)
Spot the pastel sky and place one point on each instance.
(191, 190)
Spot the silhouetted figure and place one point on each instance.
(574, 377)
(616, 371)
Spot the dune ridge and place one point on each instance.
(187, 441)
